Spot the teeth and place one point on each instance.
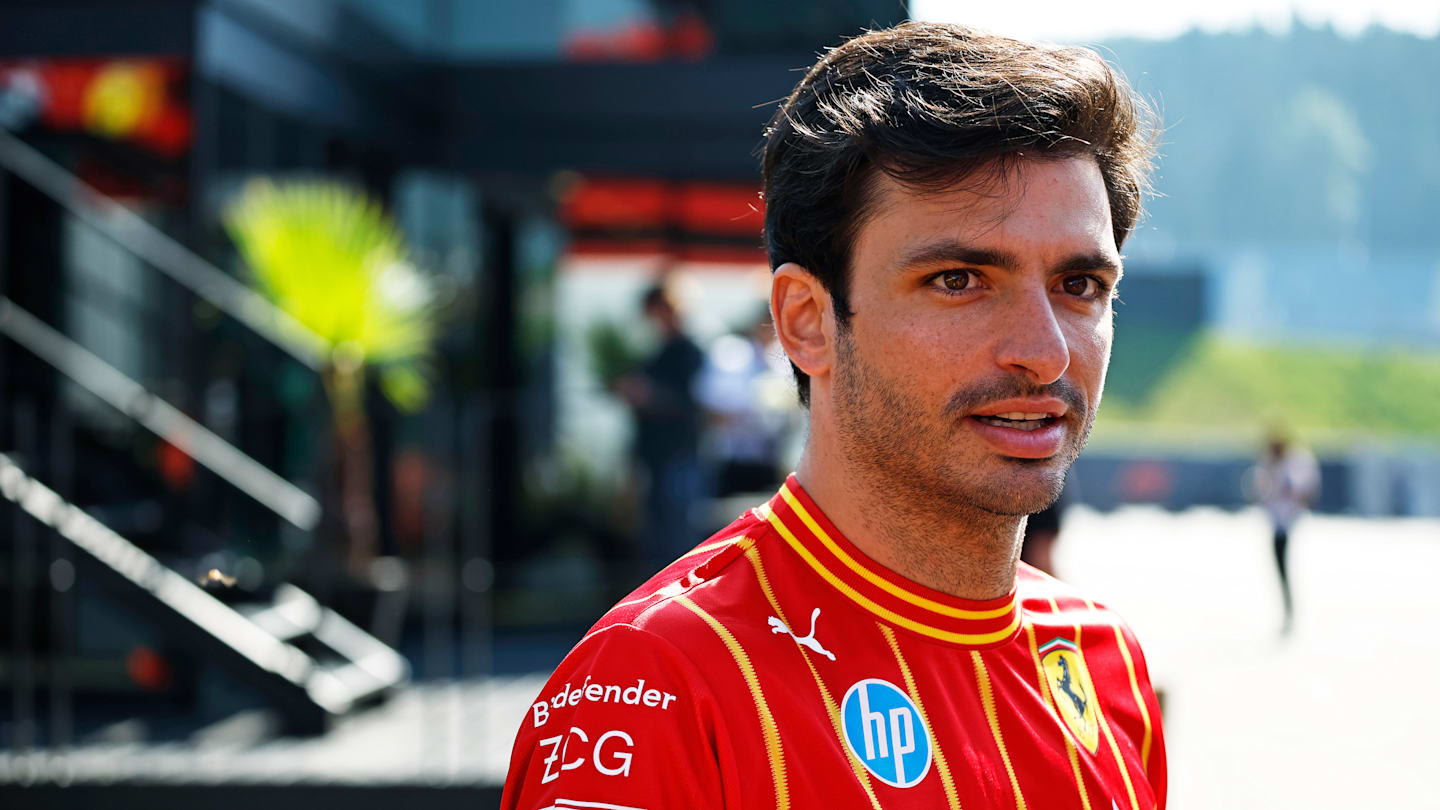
(1017, 424)
(1016, 415)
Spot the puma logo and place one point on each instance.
(777, 626)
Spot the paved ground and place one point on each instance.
(1343, 714)
(437, 733)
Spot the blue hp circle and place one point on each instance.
(884, 729)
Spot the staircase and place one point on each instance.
(308, 662)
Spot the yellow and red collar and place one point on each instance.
(890, 597)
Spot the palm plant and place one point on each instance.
(329, 257)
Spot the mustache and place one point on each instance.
(974, 396)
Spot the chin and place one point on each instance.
(1035, 486)
(1014, 505)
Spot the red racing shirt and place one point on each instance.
(776, 666)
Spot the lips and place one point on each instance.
(1032, 427)
(1021, 428)
(1032, 439)
(1023, 408)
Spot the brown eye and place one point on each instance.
(955, 280)
(1082, 286)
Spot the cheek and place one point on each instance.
(900, 339)
(1090, 344)
(911, 358)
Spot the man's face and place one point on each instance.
(975, 311)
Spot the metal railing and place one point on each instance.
(309, 689)
(164, 420)
(129, 230)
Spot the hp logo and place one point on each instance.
(884, 729)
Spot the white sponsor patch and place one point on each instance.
(611, 755)
(636, 694)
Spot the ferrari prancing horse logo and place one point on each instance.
(1071, 690)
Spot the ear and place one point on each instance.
(799, 308)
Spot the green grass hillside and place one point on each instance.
(1221, 385)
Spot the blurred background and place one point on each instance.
(354, 352)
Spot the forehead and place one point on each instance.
(1040, 209)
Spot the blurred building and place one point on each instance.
(531, 152)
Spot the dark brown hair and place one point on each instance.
(928, 104)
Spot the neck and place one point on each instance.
(955, 549)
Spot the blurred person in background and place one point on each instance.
(944, 212)
(746, 426)
(1285, 481)
(668, 421)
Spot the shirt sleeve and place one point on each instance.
(625, 723)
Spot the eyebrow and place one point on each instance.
(959, 253)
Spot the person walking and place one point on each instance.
(1285, 482)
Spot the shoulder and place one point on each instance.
(1061, 617)
(651, 679)
(610, 722)
(612, 671)
(1303, 461)
(711, 564)
(1042, 594)
(1060, 608)
(692, 611)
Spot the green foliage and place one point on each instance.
(405, 385)
(611, 353)
(1230, 384)
(330, 257)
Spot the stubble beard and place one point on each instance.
(890, 439)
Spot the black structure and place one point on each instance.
(311, 663)
(493, 98)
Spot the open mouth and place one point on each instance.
(1024, 434)
(1019, 421)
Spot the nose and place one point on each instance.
(1029, 339)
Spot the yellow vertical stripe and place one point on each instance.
(753, 555)
(944, 767)
(1139, 699)
(1119, 760)
(1045, 693)
(1105, 726)
(1134, 690)
(987, 699)
(768, 728)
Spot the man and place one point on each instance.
(1286, 480)
(667, 428)
(944, 212)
